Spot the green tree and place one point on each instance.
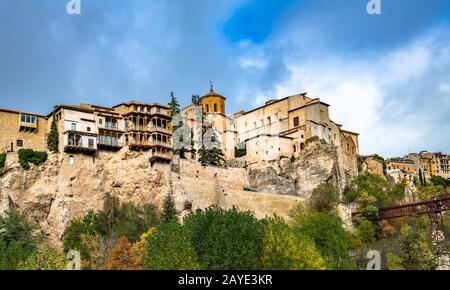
(174, 106)
(325, 228)
(53, 137)
(366, 232)
(374, 185)
(226, 239)
(324, 198)
(440, 181)
(133, 220)
(416, 245)
(170, 248)
(17, 241)
(212, 157)
(28, 155)
(170, 213)
(90, 225)
(284, 249)
(2, 160)
(46, 258)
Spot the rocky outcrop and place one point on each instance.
(372, 164)
(319, 163)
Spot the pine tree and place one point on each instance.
(173, 105)
(170, 213)
(52, 137)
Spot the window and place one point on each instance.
(215, 107)
(71, 160)
(100, 121)
(88, 129)
(74, 126)
(91, 142)
(207, 108)
(296, 121)
(19, 143)
(158, 110)
(268, 120)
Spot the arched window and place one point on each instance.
(207, 108)
(215, 108)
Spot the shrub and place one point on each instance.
(366, 232)
(46, 258)
(324, 198)
(226, 240)
(123, 257)
(17, 241)
(2, 160)
(170, 248)
(28, 155)
(286, 250)
(326, 230)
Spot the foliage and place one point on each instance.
(325, 228)
(170, 248)
(416, 245)
(394, 262)
(46, 258)
(174, 106)
(17, 241)
(284, 249)
(213, 157)
(133, 220)
(90, 225)
(240, 152)
(366, 232)
(28, 155)
(376, 186)
(324, 198)
(98, 248)
(2, 160)
(170, 213)
(123, 257)
(430, 191)
(226, 240)
(141, 246)
(52, 137)
(438, 180)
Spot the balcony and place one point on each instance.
(160, 129)
(160, 155)
(110, 144)
(111, 126)
(78, 146)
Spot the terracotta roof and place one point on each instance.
(350, 132)
(71, 107)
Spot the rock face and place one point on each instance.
(319, 163)
(372, 165)
(54, 193)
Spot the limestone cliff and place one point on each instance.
(60, 190)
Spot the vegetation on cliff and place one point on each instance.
(27, 156)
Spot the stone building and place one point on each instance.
(279, 128)
(22, 130)
(432, 164)
(401, 169)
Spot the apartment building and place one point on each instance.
(402, 169)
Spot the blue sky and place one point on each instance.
(386, 76)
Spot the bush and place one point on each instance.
(2, 160)
(17, 241)
(330, 238)
(226, 240)
(324, 198)
(170, 248)
(438, 180)
(46, 258)
(286, 250)
(27, 156)
(366, 232)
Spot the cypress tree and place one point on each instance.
(174, 106)
(170, 213)
(52, 137)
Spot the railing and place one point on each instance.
(79, 145)
(110, 143)
(148, 129)
(162, 155)
(149, 143)
(111, 127)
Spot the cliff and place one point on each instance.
(56, 192)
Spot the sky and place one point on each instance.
(385, 76)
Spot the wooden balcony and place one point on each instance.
(79, 147)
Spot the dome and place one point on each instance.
(212, 93)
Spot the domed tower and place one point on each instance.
(213, 102)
